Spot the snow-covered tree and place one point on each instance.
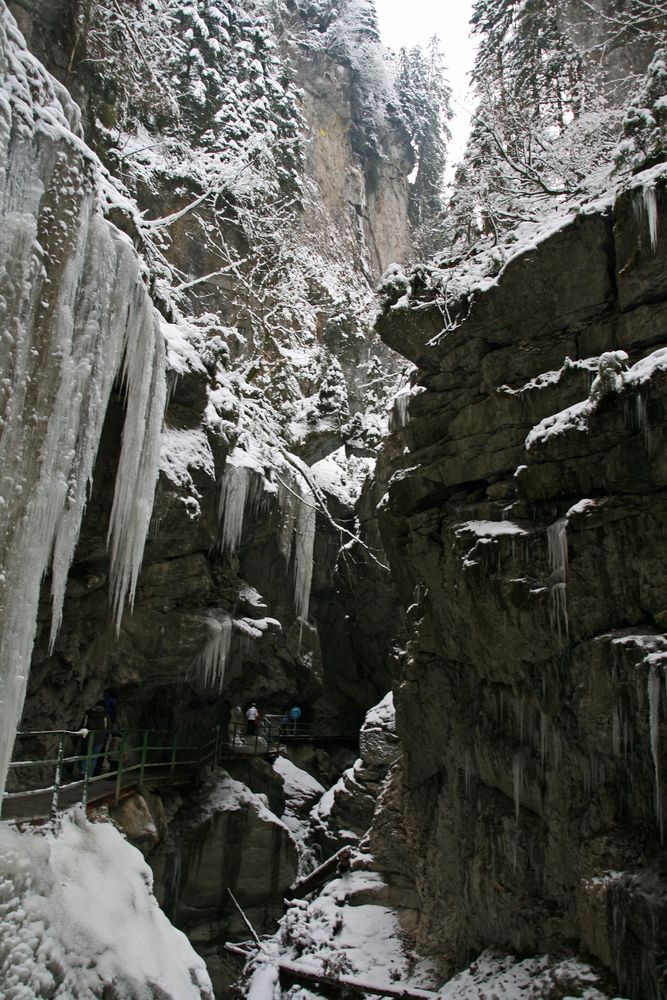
(203, 74)
(424, 96)
(542, 130)
(645, 124)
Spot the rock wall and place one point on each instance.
(525, 522)
(188, 585)
(224, 839)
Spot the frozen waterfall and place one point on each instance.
(74, 306)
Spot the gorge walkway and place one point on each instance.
(58, 769)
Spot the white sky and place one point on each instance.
(413, 22)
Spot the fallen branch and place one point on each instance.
(293, 971)
(340, 861)
(343, 983)
(244, 918)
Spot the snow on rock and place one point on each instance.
(343, 477)
(610, 378)
(488, 529)
(546, 379)
(365, 941)
(300, 786)
(644, 370)
(345, 811)
(485, 533)
(221, 793)
(180, 452)
(78, 919)
(184, 346)
(505, 976)
(301, 790)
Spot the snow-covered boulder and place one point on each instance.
(78, 919)
(227, 839)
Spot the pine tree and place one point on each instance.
(424, 96)
(645, 124)
(239, 100)
(541, 126)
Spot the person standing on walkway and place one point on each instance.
(96, 721)
(236, 723)
(252, 720)
(295, 715)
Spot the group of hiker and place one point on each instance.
(101, 734)
(251, 719)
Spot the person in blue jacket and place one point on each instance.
(294, 715)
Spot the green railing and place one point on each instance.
(115, 760)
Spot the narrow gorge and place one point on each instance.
(274, 434)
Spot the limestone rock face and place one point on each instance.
(224, 839)
(189, 588)
(142, 818)
(524, 524)
(345, 811)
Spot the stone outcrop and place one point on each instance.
(224, 839)
(345, 812)
(525, 521)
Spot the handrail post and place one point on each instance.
(217, 745)
(119, 772)
(144, 752)
(58, 775)
(173, 753)
(87, 767)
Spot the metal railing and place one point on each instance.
(113, 760)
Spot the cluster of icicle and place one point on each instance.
(243, 496)
(75, 315)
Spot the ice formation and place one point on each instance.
(557, 543)
(304, 543)
(654, 686)
(72, 286)
(213, 658)
(79, 920)
(240, 488)
(650, 206)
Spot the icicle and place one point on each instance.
(544, 730)
(212, 661)
(651, 208)
(654, 726)
(136, 478)
(557, 542)
(642, 421)
(400, 412)
(231, 506)
(467, 764)
(287, 503)
(616, 733)
(304, 542)
(517, 781)
(68, 295)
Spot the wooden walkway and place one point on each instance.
(147, 759)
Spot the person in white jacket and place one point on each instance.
(252, 720)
